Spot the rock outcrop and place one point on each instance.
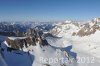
(32, 38)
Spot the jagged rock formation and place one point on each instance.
(87, 29)
(20, 43)
(76, 28)
(32, 37)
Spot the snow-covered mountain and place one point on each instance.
(83, 37)
(68, 43)
(33, 50)
(76, 28)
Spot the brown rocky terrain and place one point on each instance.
(32, 37)
(87, 30)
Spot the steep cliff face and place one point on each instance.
(31, 38)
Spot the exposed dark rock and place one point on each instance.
(46, 65)
(7, 34)
(32, 37)
(87, 30)
(10, 49)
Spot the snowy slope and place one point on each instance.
(2, 61)
(33, 57)
(86, 46)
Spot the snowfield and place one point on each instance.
(86, 47)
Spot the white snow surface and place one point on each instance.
(14, 38)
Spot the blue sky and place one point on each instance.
(48, 10)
